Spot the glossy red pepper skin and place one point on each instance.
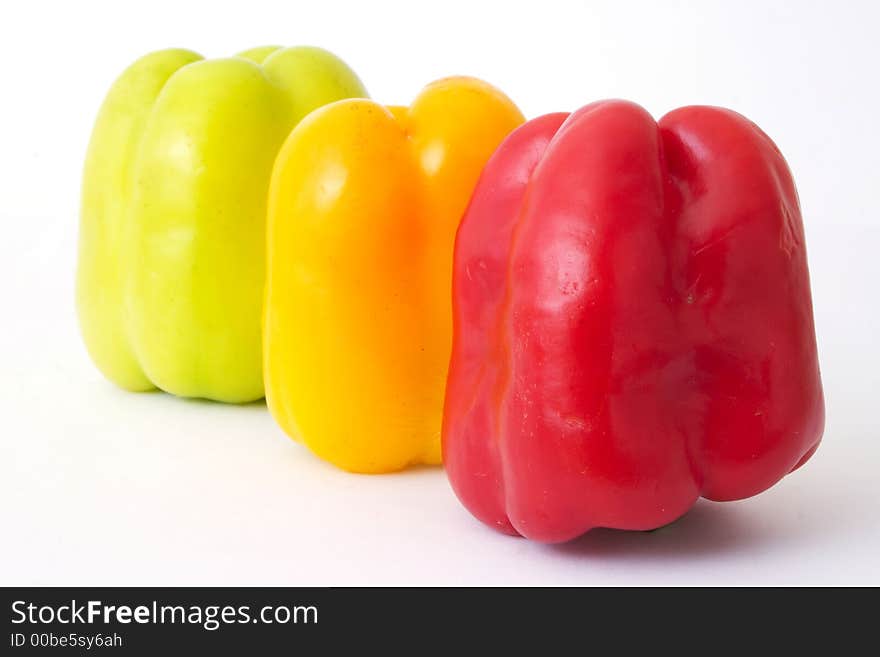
(633, 326)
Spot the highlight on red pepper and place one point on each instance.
(633, 325)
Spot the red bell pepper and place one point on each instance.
(633, 323)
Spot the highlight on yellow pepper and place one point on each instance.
(364, 204)
(172, 228)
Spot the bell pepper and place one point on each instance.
(633, 324)
(172, 230)
(364, 203)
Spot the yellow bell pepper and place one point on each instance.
(172, 230)
(364, 203)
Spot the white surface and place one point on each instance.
(102, 487)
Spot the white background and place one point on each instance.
(102, 487)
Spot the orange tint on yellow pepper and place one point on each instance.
(364, 204)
